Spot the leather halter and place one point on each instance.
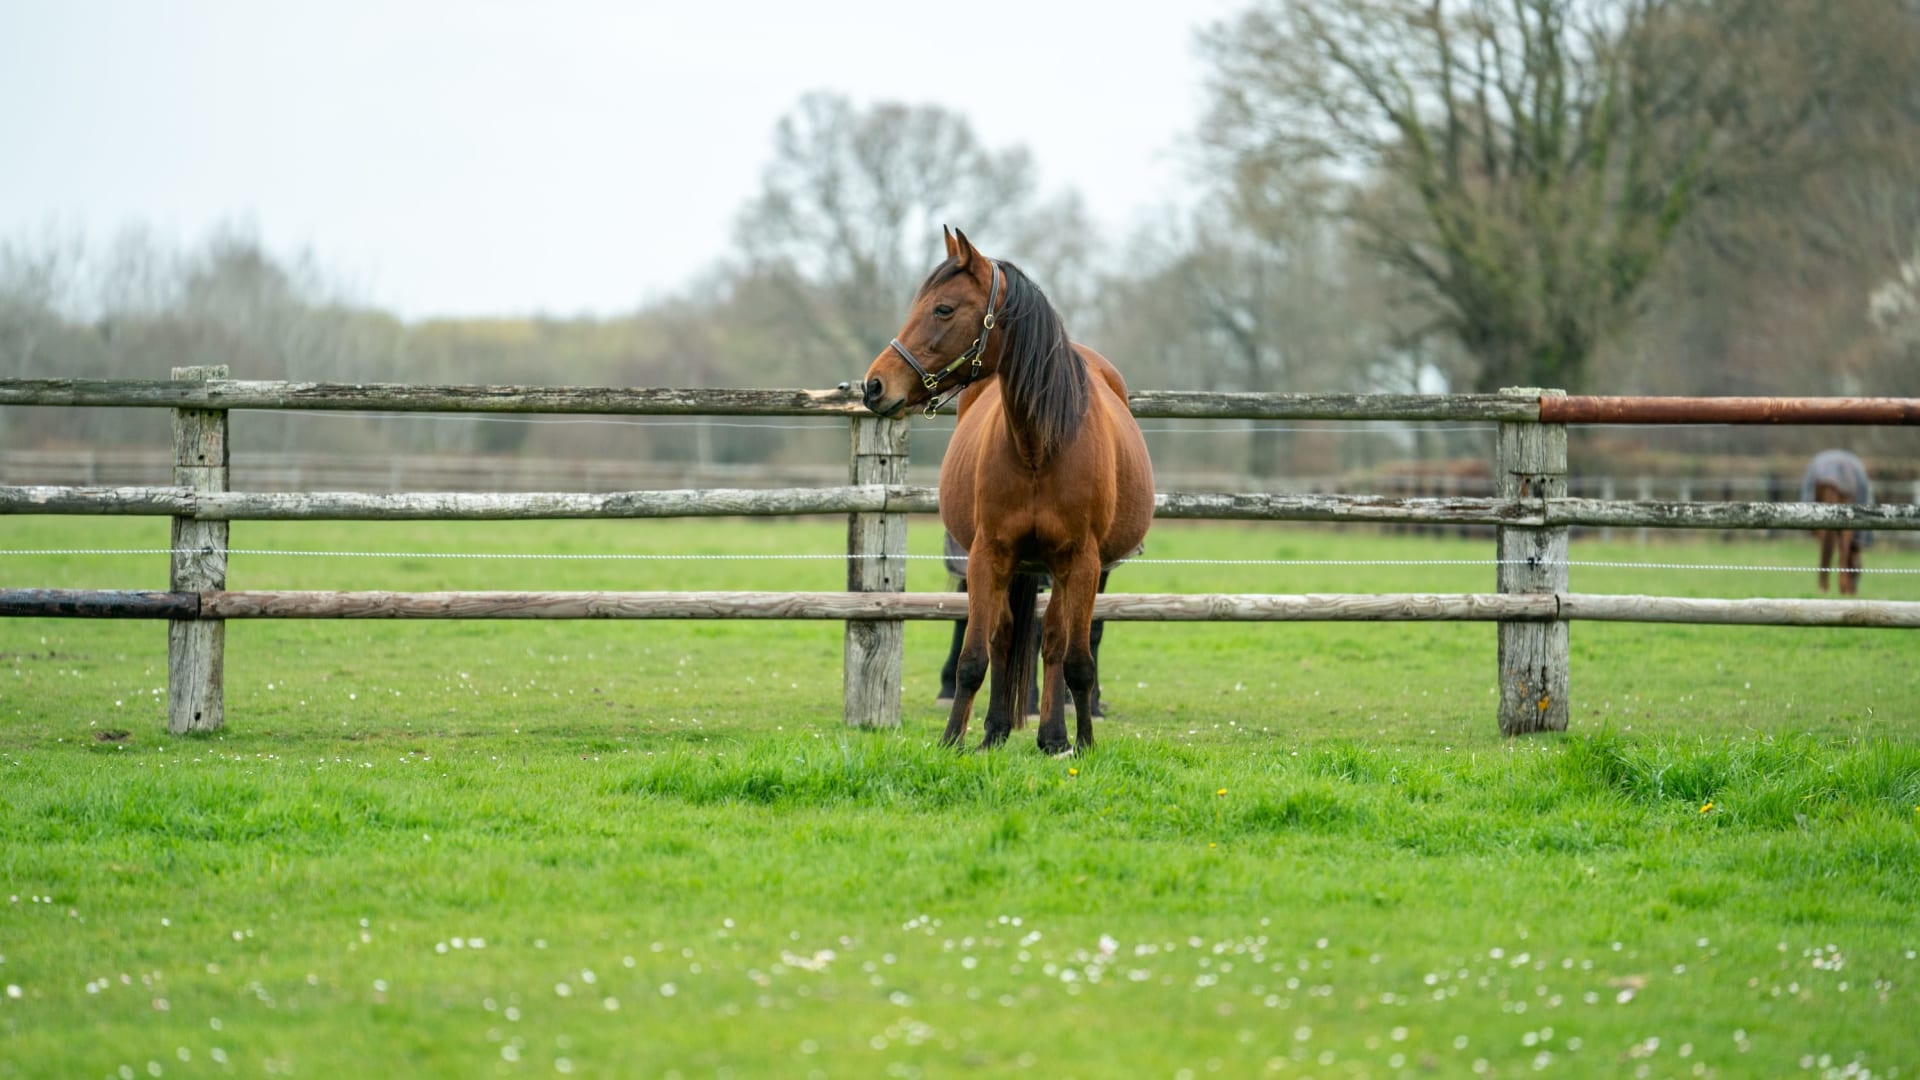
(974, 354)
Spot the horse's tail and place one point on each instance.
(1023, 594)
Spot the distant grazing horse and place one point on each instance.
(1835, 476)
(1046, 472)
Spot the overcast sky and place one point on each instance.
(462, 158)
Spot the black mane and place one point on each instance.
(1043, 380)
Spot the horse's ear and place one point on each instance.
(962, 248)
(948, 234)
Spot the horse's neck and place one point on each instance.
(1021, 430)
(972, 393)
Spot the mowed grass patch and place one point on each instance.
(465, 848)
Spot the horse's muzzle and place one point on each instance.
(874, 396)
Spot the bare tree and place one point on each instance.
(849, 214)
(1252, 290)
(1260, 285)
(1541, 153)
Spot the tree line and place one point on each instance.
(1622, 196)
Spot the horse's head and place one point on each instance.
(943, 345)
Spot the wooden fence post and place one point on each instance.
(876, 562)
(1531, 463)
(196, 648)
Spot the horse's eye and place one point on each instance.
(943, 310)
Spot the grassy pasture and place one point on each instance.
(650, 848)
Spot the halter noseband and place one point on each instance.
(974, 354)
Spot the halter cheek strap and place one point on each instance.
(974, 354)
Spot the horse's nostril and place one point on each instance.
(874, 389)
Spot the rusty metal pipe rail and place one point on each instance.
(1577, 409)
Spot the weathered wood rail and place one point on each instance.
(649, 401)
(911, 499)
(1531, 511)
(948, 607)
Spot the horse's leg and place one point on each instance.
(1826, 556)
(1053, 650)
(1003, 684)
(969, 673)
(1070, 648)
(986, 601)
(988, 645)
(1849, 561)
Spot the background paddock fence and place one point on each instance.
(1531, 510)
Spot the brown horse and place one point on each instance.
(1046, 472)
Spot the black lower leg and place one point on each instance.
(1081, 681)
(970, 673)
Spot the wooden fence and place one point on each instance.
(1530, 510)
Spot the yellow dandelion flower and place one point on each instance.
(1222, 791)
(1707, 807)
(1073, 772)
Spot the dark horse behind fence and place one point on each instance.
(1836, 476)
(1046, 472)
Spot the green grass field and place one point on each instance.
(652, 848)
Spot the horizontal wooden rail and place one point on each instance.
(1203, 405)
(1117, 607)
(408, 397)
(100, 501)
(911, 499)
(464, 506)
(1127, 607)
(399, 397)
(1753, 611)
(1575, 409)
(98, 604)
(1535, 512)
(1732, 515)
